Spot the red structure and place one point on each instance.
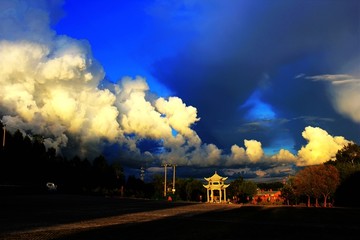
(267, 197)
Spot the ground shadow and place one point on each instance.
(37, 217)
(245, 222)
(26, 212)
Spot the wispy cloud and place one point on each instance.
(336, 78)
(344, 90)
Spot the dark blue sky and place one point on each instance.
(254, 88)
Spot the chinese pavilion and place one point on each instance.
(216, 188)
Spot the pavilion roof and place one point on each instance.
(216, 177)
(216, 187)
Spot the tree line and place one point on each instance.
(333, 183)
(26, 162)
(26, 166)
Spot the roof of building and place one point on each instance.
(215, 177)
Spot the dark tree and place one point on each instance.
(234, 190)
(288, 192)
(304, 184)
(347, 160)
(348, 164)
(241, 190)
(194, 190)
(270, 186)
(349, 154)
(328, 181)
(347, 192)
(317, 181)
(158, 186)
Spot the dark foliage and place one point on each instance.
(347, 161)
(347, 193)
(274, 186)
(26, 166)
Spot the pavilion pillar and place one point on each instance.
(220, 193)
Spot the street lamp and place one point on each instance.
(173, 185)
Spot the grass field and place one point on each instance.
(56, 216)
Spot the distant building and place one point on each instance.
(267, 197)
(216, 188)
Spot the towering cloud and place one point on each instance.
(321, 146)
(50, 88)
(179, 116)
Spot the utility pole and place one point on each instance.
(142, 173)
(3, 142)
(165, 167)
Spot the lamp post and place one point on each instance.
(173, 185)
